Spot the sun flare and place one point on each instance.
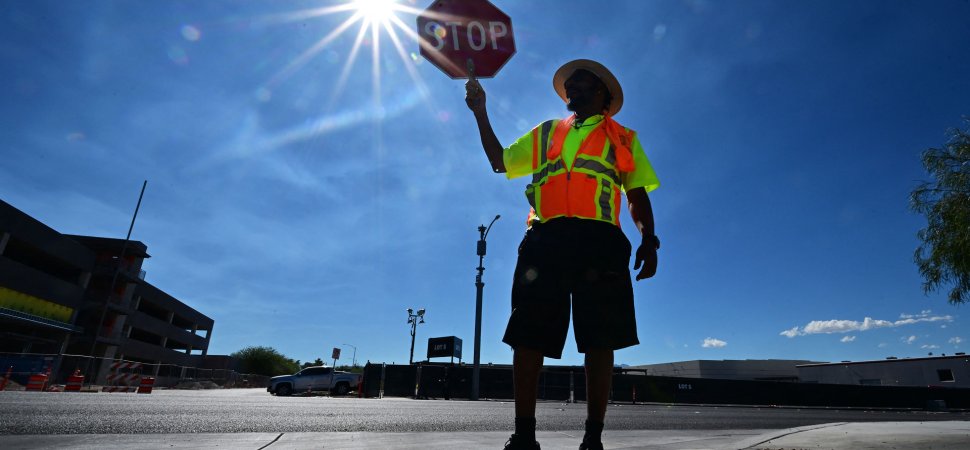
(375, 11)
(366, 21)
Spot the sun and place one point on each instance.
(375, 11)
(374, 19)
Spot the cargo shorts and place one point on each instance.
(578, 264)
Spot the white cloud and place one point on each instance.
(955, 340)
(868, 323)
(713, 343)
(908, 340)
(923, 313)
(848, 339)
(882, 345)
(929, 347)
(790, 333)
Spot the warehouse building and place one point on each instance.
(728, 369)
(934, 371)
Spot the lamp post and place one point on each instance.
(483, 233)
(354, 364)
(414, 319)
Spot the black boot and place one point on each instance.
(591, 440)
(517, 442)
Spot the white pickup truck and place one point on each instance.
(314, 379)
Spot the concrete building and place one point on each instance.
(747, 369)
(936, 371)
(86, 296)
(43, 279)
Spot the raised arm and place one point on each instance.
(642, 214)
(475, 99)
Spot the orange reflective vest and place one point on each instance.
(590, 189)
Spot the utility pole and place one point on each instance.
(479, 285)
(354, 364)
(414, 320)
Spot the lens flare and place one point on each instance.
(375, 11)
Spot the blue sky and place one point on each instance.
(304, 203)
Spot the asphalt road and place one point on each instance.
(254, 410)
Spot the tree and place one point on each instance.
(317, 362)
(265, 361)
(943, 257)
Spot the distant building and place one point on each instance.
(936, 371)
(728, 369)
(83, 295)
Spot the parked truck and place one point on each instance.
(318, 378)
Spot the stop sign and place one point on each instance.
(451, 32)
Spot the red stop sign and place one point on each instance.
(451, 32)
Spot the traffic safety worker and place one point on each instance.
(574, 253)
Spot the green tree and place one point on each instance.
(943, 256)
(317, 362)
(265, 361)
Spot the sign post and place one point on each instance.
(335, 355)
(456, 35)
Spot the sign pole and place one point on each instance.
(336, 356)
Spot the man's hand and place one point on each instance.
(642, 214)
(475, 96)
(647, 256)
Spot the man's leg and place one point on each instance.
(599, 377)
(526, 364)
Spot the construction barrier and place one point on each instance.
(123, 381)
(145, 387)
(37, 382)
(96, 368)
(74, 382)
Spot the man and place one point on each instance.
(574, 248)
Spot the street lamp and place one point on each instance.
(414, 319)
(483, 232)
(354, 364)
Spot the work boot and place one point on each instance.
(598, 445)
(517, 442)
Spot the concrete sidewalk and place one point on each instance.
(874, 435)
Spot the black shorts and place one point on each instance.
(587, 260)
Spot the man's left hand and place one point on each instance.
(646, 256)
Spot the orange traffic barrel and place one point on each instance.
(146, 385)
(36, 382)
(74, 382)
(6, 378)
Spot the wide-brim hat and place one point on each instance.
(601, 72)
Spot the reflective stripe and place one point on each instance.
(544, 130)
(596, 166)
(611, 155)
(544, 144)
(547, 169)
(606, 206)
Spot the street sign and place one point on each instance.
(336, 353)
(449, 346)
(452, 32)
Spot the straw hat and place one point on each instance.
(595, 68)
